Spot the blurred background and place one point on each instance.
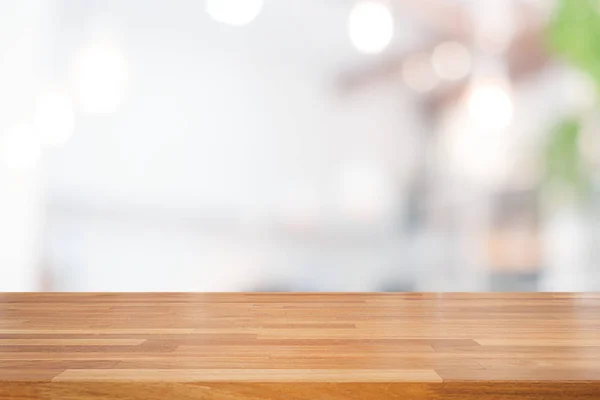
(299, 145)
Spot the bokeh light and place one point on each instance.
(490, 106)
(370, 26)
(234, 12)
(101, 77)
(451, 61)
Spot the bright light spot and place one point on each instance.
(418, 73)
(467, 153)
(370, 26)
(451, 61)
(54, 118)
(233, 12)
(21, 148)
(490, 106)
(101, 74)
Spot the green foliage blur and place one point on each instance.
(574, 36)
(565, 170)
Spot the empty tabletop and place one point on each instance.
(299, 346)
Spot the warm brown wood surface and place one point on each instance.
(299, 346)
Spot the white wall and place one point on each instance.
(225, 136)
(147, 182)
(21, 191)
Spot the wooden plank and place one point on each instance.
(299, 346)
(248, 375)
(297, 391)
(569, 341)
(70, 342)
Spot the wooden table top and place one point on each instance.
(299, 346)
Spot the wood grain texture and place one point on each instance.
(299, 346)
